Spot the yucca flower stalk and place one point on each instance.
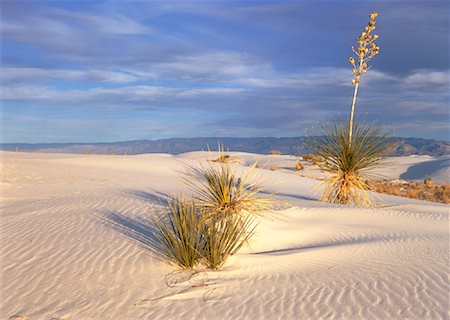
(367, 49)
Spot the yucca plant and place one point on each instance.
(349, 150)
(224, 236)
(216, 222)
(219, 190)
(180, 232)
(348, 161)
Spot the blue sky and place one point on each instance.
(109, 71)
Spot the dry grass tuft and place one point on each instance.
(226, 158)
(298, 166)
(316, 160)
(275, 152)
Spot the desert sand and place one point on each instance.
(76, 243)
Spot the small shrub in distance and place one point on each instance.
(224, 158)
(316, 160)
(298, 166)
(275, 152)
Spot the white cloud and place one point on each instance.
(427, 78)
(108, 95)
(212, 66)
(118, 24)
(36, 74)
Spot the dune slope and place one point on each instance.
(77, 243)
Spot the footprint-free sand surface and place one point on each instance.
(77, 243)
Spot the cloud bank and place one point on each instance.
(187, 69)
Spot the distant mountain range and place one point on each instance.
(295, 146)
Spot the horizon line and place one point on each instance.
(208, 137)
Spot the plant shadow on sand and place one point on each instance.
(364, 239)
(186, 283)
(154, 197)
(140, 231)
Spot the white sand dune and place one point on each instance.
(438, 169)
(77, 243)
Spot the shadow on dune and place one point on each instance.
(154, 197)
(424, 169)
(294, 196)
(336, 243)
(141, 232)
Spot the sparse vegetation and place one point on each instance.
(426, 190)
(275, 152)
(274, 167)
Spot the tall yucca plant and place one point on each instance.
(219, 190)
(348, 161)
(180, 233)
(351, 149)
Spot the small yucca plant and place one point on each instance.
(180, 230)
(219, 190)
(224, 236)
(348, 161)
(216, 222)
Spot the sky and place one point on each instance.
(104, 71)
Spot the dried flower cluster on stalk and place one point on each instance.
(367, 49)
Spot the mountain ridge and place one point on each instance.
(263, 145)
